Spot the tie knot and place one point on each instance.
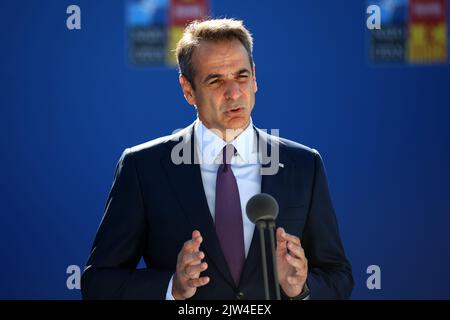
(228, 152)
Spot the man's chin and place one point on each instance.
(237, 123)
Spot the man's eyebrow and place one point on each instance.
(243, 70)
(212, 76)
(219, 75)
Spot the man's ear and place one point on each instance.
(188, 92)
(254, 77)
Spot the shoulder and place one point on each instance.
(300, 154)
(297, 148)
(288, 148)
(157, 148)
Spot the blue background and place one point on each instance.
(70, 103)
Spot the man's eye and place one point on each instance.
(214, 81)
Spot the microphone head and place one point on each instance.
(262, 207)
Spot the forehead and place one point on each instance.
(220, 57)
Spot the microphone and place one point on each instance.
(262, 210)
(262, 207)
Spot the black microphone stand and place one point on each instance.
(262, 225)
(271, 225)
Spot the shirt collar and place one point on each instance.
(210, 145)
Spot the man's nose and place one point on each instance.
(232, 90)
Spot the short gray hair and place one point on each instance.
(209, 30)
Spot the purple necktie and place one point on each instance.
(228, 218)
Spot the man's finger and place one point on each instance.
(296, 251)
(193, 244)
(194, 283)
(194, 271)
(195, 234)
(279, 236)
(288, 237)
(192, 258)
(295, 262)
(283, 236)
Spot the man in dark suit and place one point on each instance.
(179, 201)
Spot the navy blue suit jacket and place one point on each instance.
(155, 204)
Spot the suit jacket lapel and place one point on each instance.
(187, 184)
(273, 185)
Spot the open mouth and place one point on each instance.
(234, 111)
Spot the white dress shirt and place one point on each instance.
(245, 168)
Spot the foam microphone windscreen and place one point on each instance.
(262, 207)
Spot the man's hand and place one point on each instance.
(292, 263)
(189, 265)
